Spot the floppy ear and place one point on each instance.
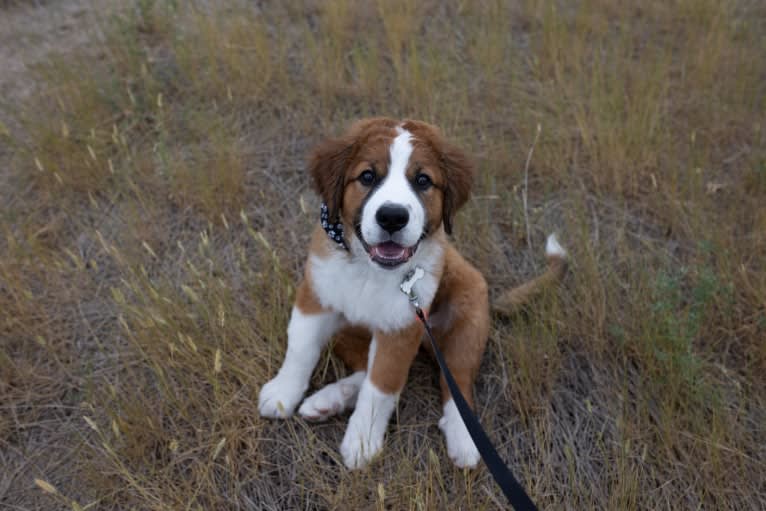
(453, 162)
(327, 166)
(458, 172)
(330, 160)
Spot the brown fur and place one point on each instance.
(461, 321)
(352, 344)
(305, 298)
(394, 354)
(460, 310)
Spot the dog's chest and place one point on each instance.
(370, 296)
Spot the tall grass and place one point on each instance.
(156, 215)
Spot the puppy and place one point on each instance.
(390, 190)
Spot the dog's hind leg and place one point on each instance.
(352, 346)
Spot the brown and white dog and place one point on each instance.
(394, 186)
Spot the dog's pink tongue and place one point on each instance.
(389, 250)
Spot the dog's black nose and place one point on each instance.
(392, 217)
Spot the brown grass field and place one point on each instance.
(155, 211)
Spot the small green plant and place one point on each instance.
(678, 320)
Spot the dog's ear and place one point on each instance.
(457, 168)
(327, 165)
(458, 172)
(330, 160)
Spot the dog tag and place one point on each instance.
(413, 276)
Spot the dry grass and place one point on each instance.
(146, 273)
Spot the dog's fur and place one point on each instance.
(354, 296)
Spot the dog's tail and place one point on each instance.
(512, 300)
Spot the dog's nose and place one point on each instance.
(392, 217)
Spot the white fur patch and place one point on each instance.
(553, 248)
(395, 189)
(460, 447)
(367, 426)
(369, 295)
(306, 336)
(371, 354)
(332, 399)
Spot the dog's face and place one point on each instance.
(392, 184)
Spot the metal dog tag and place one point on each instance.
(412, 277)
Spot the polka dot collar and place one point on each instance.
(333, 229)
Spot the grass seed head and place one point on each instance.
(45, 486)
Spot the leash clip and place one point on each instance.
(408, 283)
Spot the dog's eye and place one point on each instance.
(367, 177)
(422, 181)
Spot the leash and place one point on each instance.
(503, 476)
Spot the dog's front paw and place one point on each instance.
(359, 446)
(279, 397)
(460, 447)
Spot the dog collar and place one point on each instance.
(333, 229)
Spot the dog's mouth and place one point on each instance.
(391, 254)
(388, 254)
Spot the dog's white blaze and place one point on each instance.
(306, 336)
(460, 446)
(395, 189)
(367, 425)
(369, 295)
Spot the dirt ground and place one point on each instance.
(30, 31)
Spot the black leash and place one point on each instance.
(513, 491)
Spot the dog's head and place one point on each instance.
(392, 184)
